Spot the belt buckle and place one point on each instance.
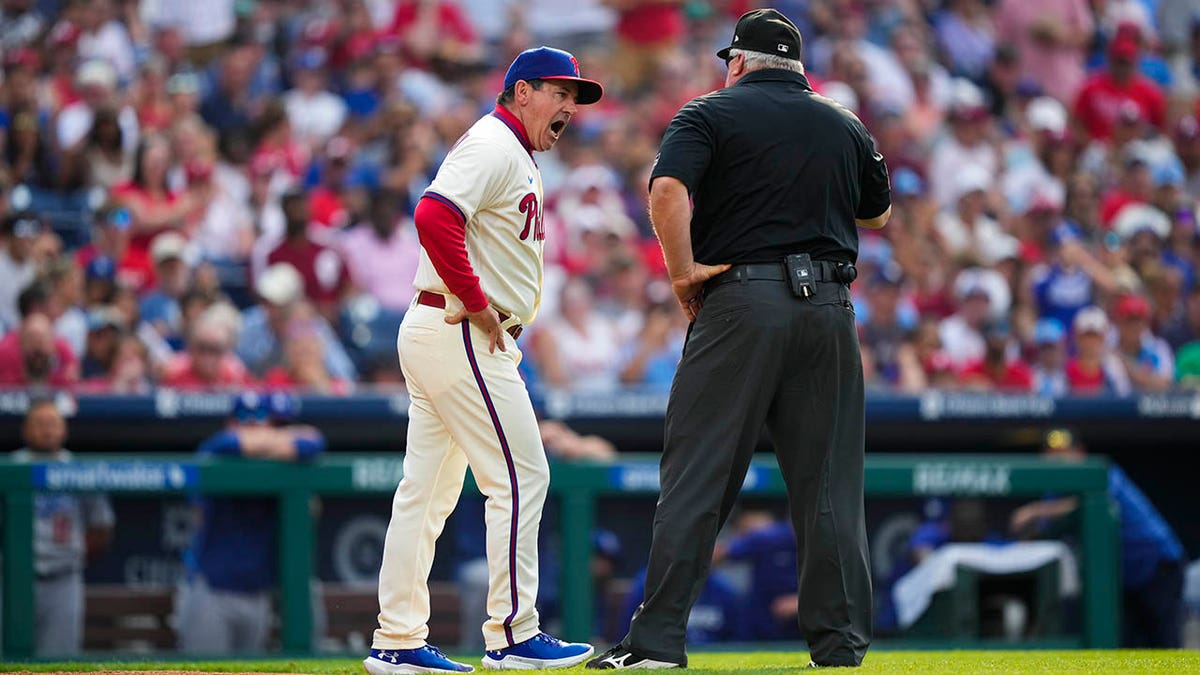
(514, 329)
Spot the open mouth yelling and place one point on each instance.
(556, 128)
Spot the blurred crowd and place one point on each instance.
(219, 194)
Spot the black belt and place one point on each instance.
(438, 301)
(825, 271)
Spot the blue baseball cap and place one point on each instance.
(907, 183)
(1048, 331)
(548, 63)
(607, 544)
(310, 59)
(889, 274)
(249, 406)
(118, 218)
(1169, 172)
(283, 407)
(101, 267)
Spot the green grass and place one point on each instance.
(764, 663)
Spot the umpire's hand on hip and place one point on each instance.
(488, 320)
(689, 286)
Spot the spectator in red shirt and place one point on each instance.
(1187, 147)
(326, 279)
(435, 30)
(62, 57)
(110, 240)
(647, 32)
(1099, 102)
(31, 355)
(209, 361)
(1095, 370)
(325, 201)
(151, 98)
(153, 207)
(998, 370)
(277, 146)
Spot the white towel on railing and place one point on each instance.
(913, 591)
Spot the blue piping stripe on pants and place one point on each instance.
(512, 477)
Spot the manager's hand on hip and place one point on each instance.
(688, 286)
(488, 320)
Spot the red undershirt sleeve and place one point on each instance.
(443, 232)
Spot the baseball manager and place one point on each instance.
(479, 282)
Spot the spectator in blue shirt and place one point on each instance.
(1050, 359)
(260, 344)
(1152, 559)
(160, 307)
(651, 357)
(230, 101)
(1062, 286)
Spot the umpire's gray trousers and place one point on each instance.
(757, 355)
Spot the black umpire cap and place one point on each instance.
(766, 31)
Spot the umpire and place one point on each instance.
(779, 177)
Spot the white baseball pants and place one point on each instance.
(469, 407)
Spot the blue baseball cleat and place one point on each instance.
(538, 652)
(427, 659)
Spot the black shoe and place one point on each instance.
(620, 658)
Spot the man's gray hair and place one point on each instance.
(762, 61)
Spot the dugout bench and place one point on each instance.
(123, 619)
(577, 486)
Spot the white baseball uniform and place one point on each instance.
(469, 406)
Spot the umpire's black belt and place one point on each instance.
(824, 270)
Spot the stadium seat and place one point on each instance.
(368, 330)
(353, 613)
(67, 213)
(121, 618)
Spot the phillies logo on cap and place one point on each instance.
(547, 63)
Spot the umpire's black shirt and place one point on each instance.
(773, 169)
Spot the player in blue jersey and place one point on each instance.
(1152, 559)
(225, 603)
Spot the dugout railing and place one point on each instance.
(577, 487)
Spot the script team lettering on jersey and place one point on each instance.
(491, 180)
(533, 218)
